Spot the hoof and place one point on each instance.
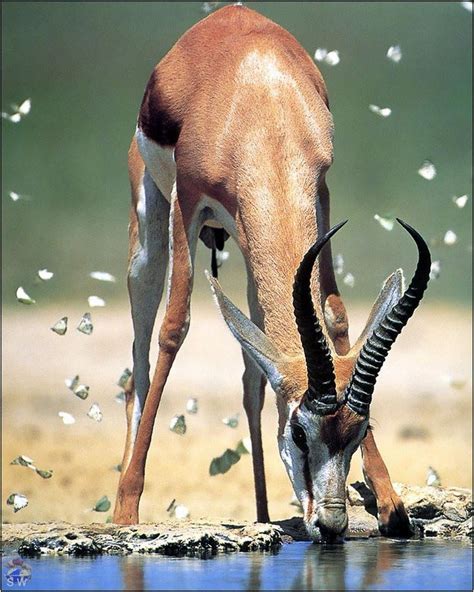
(126, 512)
(125, 520)
(393, 521)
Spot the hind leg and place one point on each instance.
(148, 257)
(254, 397)
(185, 225)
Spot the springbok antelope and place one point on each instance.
(234, 138)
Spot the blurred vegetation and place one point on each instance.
(85, 66)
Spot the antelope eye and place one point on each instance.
(299, 437)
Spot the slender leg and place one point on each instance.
(185, 229)
(148, 258)
(254, 397)
(392, 516)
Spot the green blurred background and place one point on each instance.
(85, 66)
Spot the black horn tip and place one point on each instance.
(373, 353)
(334, 229)
(423, 249)
(420, 241)
(409, 228)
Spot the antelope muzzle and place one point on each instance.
(332, 521)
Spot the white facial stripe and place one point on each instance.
(330, 477)
(292, 459)
(294, 462)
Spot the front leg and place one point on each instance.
(254, 396)
(392, 516)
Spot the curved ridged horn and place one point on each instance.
(321, 397)
(358, 394)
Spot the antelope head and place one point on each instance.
(323, 399)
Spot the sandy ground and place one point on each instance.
(412, 393)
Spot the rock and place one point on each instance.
(455, 513)
(362, 524)
(445, 528)
(434, 511)
(201, 539)
(444, 512)
(30, 549)
(260, 537)
(354, 498)
(293, 530)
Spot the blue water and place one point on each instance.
(357, 565)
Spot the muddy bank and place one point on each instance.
(434, 511)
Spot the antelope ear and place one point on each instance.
(391, 292)
(250, 337)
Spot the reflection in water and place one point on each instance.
(373, 564)
(379, 559)
(255, 580)
(325, 566)
(133, 574)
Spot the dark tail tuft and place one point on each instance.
(214, 239)
(214, 266)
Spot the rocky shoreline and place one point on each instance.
(434, 511)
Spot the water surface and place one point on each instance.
(357, 565)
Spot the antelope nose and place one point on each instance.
(332, 522)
